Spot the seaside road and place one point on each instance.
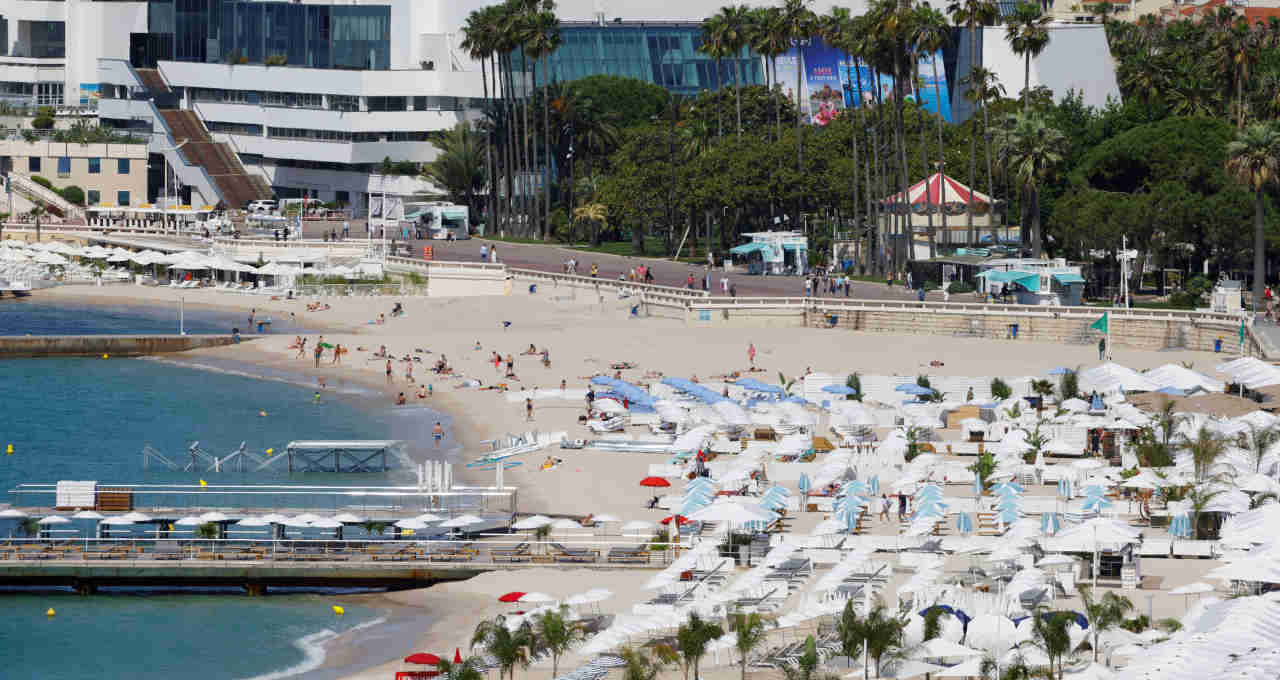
(551, 258)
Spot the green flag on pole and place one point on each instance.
(1242, 331)
(1100, 324)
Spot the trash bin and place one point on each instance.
(1013, 331)
(533, 288)
(1217, 345)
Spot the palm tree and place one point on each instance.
(749, 632)
(1031, 151)
(840, 30)
(638, 665)
(881, 632)
(545, 39)
(714, 46)
(982, 88)
(849, 630)
(1104, 614)
(1253, 160)
(478, 42)
(692, 639)
(1027, 32)
(735, 25)
(800, 23)
(37, 211)
(770, 39)
(509, 648)
(594, 214)
(1205, 449)
(1049, 633)
(972, 14)
(467, 669)
(459, 168)
(1261, 440)
(805, 664)
(932, 35)
(555, 635)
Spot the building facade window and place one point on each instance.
(33, 164)
(272, 33)
(122, 166)
(64, 166)
(95, 196)
(388, 103)
(342, 197)
(95, 166)
(666, 55)
(122, 198)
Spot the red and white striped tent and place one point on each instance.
(939, 194)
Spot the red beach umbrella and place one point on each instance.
(680, 519)
(422, 658)
(457, 655)
(511, 597)
(656, 482)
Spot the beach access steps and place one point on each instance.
(237, 186)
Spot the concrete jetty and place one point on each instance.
(111, 345)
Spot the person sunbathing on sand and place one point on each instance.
(529, 352)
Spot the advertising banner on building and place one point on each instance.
(830, 83)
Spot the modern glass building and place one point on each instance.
(281, 33)
(664, 54)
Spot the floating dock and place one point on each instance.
(346, 456)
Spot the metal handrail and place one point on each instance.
(610, 283)
(414, 263)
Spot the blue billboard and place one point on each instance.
(832, 83)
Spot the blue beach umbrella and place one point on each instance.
(839, 389)
(854, 487)
(804, 484)
(1064, 487)
(964, 523)
(1094, 490)
(875, 484)
(1180, 526)
(1060, 371)
(1050, 523)
(1008, 485)
(1009, 504)
(977, 485)
(1008, 516)
(930, 511)
(848, 518)
(913, 389)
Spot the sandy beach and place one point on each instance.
(584, 337)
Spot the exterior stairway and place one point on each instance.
(236, 186)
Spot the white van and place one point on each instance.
(262, 206)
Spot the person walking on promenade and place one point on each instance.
(528, 409)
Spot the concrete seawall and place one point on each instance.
(97, 345)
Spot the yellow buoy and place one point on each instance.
(50, 612)
(106, 356)
(9, 450)
(204, 483)
(270, 451)
(337, 609)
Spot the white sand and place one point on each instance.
(584, 337)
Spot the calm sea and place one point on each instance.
(89, 419)
(33, 316)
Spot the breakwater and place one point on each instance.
(110, 345)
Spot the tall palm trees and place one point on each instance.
(799, 23)
(972, 14)
(1253, 160)
(749, 632)
(714, 45)
(1031, 151)
(509, 647)
(735, 24)
(545, 39)
(555, 634)
(1105, 613)
(1027, 32)
(932, 35)
(479, 42)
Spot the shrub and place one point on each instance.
(43, 119)
(276, 60)
(73, 194)
(42, 182)
(1000, 389)
(923, 381)
(958, 287)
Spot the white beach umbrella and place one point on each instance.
(189, 522)
(729, 511)
(536, 598)
(605, 517)
(428, 517)
(88, 514)
(1193, 588)
(565, 524)
(136, 517)
(53, 519)
(253, 522)
(351, 518)
(306, 518)
(461, 521)
(972, 667)
(121, 519)
(327, 523)
(638, 525)
(12, 513)
(410, 524)
(213, 516)
(274, 518)
(937, 648)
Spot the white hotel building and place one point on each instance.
(309, 97)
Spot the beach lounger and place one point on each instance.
(453, 553)
(563, 554)
(636, 555)
(520, 553)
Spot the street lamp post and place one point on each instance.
(164, 206)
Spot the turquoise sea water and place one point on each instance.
(88, 419)
(32, 316)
